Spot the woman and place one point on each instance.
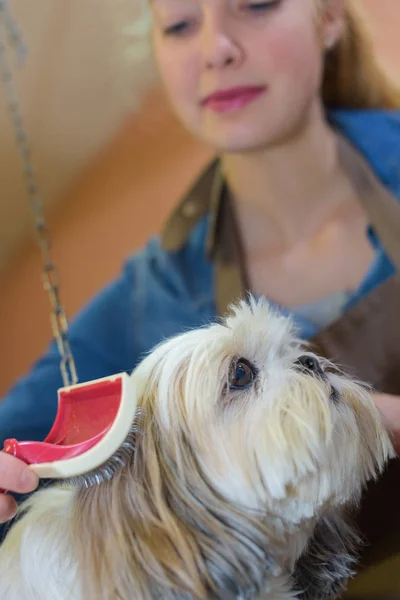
(301, 205)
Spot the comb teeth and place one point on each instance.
(118, 461)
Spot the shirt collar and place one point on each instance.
(204, 197)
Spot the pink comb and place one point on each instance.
(92, 421)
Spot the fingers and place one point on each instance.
(15, 475)
(8, 507)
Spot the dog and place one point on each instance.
(250, 452)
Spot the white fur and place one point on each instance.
(36, 558)
(281, 451)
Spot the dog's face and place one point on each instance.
(270, 424)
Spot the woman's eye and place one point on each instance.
(177, 28)
(262, 6)
(242, 374)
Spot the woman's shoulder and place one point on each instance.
(176, 263)
(376, 134)
(176, 280)
(151, 298)
(367, 125)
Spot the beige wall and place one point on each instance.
(74, 87)
(109, 200)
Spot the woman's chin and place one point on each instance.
(240, 140)
(243, 134)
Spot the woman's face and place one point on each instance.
(240, 74)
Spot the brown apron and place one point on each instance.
(365, 341)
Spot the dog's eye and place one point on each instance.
(242, 374)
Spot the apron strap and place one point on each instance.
(381, 206)
(231, 282)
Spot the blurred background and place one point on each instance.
(110, 171)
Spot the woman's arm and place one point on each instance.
(102, 341)
(389, 405)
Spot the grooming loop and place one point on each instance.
(92, 422)
(95, 420)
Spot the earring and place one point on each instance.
(329, 43)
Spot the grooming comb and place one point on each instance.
(92, 435)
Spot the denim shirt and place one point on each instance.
(159, 293)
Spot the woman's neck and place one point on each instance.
(287, 192)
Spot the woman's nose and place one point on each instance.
(219, 47)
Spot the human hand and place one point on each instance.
(389, 406)
(15, 476)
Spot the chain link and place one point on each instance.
(50, 277)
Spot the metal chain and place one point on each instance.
(50, 277)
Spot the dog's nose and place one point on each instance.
(309, 364)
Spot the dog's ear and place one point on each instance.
(129, 538)
(329, 560)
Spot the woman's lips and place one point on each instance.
(232, 99)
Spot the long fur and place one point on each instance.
(328, 561)
(229, 495)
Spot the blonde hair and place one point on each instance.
(353, 76)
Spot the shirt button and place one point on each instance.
(190, 210)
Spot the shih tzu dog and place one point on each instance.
(250, 449)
